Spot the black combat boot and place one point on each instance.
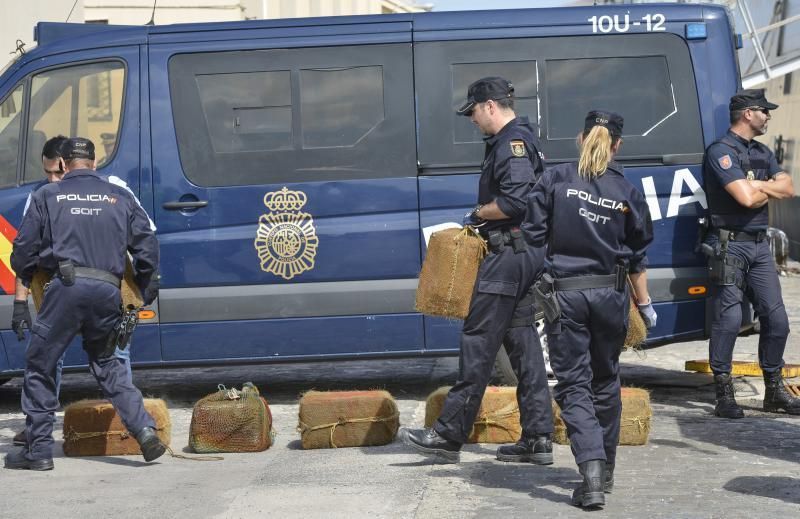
(428, 442)
(608, 483)
(537, 450)
(776, 397)
(17, 460)
(150, 444)
(590, 492)
(726, 401)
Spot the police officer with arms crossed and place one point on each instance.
(742, 175)
(595, 226)
(501, 309)
(80, 229)
(53, 167)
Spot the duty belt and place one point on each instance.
(740, 236)
(100, 275)
(616, 280)
(583, 282)
(497, 239)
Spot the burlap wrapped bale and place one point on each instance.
(637, 331)
(498, 415)
(560, 435)
(634, 424)
(449, 272)
(131, 296)
(331, 419)
(231, 421)
(93, 428)
(636, 416)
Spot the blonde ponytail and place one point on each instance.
(595, 152)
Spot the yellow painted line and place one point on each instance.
(741, 368)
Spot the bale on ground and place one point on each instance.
(93, 428)
(448, 273)
(231, 421)
(634, 424)
(331, 419)
(498, 415)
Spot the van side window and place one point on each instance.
(522, 75)
(339, 107)
(83, 100)
(572, 85)
(251, 111)
(10, 122)
(294, 115)
(646, 99)
(648, 78)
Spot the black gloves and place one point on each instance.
(150, 292)
(21, 319)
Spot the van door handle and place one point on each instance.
(181, 206)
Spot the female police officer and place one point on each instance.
(584, 291)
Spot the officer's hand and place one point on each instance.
(21, 319)
(151, 291)
(471, 218)
(649, 315)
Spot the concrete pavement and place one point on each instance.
(695, 465)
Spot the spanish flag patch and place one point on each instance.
(518, 148)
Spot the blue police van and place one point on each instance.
(295, 168)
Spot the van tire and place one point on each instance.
(503, 372)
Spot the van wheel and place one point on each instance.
(503, 372)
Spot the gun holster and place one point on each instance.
(544, 296)
(122, 333)
(517, 241)
(723, 268)
(496, 241)
(66, 271)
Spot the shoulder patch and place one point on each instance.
(518, 148)
(725, 161)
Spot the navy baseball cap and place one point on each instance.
(77, 148)
(485, 89)
(610, 120)
(751, 98)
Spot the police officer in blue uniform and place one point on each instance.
(501, 309)
(741, 177)
(80, 230)
(53, 167)
(595, 227)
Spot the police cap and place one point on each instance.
(751, 98)
(77, 148)
(610, 120)
(485, 89)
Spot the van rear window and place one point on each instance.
(296, 115)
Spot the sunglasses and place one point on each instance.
(764, 111)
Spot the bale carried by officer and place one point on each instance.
(501, 310)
